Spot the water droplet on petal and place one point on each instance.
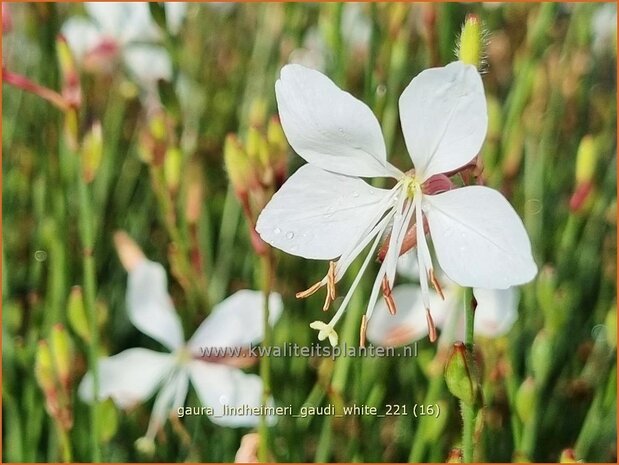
(223, 400)
(289, 235)
(355, 194)
(277, 230)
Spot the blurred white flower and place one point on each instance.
(124, 29)
(134, 375)
(495, 314)
(604, 28)
(325, 210)
(356, 33)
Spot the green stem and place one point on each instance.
(88, 264)
(468, 411)
(420, 440)
(266, 269)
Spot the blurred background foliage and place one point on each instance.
(549, 74)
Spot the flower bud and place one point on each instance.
(71, 129)
(257, 113)
(195, 195)
(541, 357)
(108, 420)
(76, 313)
(44, 369)
(239, 167)
(568, 456)
(586, 159)
(145, 446)
(172, 168)
(71, 88)
(472, 42)
(586, 163)
(524, 400)
(458, 375)
(62, 355)
(92, 152)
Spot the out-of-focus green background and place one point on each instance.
(550, 80)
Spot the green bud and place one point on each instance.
(172, 168)
(76, 313)
(541, 357)
(71, 129)
(257, 113)
(239, 168)
(586, 160)
(253, 145)
(458, 375)
(44, 368)
(524, 400)
(145, 446)
(108, 420)
(276, 137)
(92, 152)
(471, 45)
(551, 299)
(62, 354)
(71, 87)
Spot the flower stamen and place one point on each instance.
(308, 292)
(431, 326)
(363, 330)
(330, 297)
(435, 284)
(388, 297)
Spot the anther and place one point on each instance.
(431, 327)
(363, 330)
(388, 297)
(330, 297)
(435, 284)
(310, 291)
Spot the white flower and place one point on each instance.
(325, 210)
(126, 28)
(495, 314)
(134, 375)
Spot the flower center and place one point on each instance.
(410, 184)
(183, 355)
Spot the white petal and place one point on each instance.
(171, 396)
(496, 312)
(129, 377)
(329, 127)
(150, 306)
(124, 21)
(479, 239)
(219, 385)
(237, 321)
(406, 326)
(409, 323)
(175, 13)
(444, 118)
(148, 63)
(316, 213)
(81, 35)
(408, 266)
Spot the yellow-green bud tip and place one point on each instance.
(471, 45)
